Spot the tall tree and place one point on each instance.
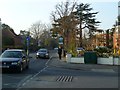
(86, 19)
(64, 22)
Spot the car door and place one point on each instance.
(27, 58)
(24, 59)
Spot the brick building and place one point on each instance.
(116, 39)
(8, 33)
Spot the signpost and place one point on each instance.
(28, 43)
(61, 40)
(0, 51)
(0, 37)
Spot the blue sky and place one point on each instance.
(21, 14)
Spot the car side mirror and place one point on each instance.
(23, 56)
(30, 56)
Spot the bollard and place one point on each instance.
(68, 58)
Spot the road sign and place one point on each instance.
(61, 40)
(28, 38)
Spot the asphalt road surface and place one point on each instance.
(13, 80)
(41, 75)
(52, 77)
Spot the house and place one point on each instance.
(9, 38)
(116, 39)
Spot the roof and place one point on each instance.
(14, 50)
(42, 49)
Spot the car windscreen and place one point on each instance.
(43, 50)
(11, 54)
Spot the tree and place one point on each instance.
(47, 41)
(64, 23)
(86, 19)
(40, 33)
(118, 23)
(24, 34)
(69, 21)
(36, 31)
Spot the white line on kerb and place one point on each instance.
(23, 80)
(35, 74)
(48, 61)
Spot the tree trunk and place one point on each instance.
(80, 39)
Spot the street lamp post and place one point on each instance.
(0, 37)
(28, 43)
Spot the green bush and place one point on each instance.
(103, 52)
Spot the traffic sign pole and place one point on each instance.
(28, 40)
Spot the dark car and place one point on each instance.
(14, 59)
(42, 53)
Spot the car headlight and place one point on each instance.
(15, 63)
(46, 54)
(37, 53)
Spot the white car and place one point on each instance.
(42, 53)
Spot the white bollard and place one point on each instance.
(68, 58)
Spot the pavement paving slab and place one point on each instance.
(55, 62)
(77, 81)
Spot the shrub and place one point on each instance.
(103, 51)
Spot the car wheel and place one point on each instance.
(48, 57)
(20, 69)
(27, 66)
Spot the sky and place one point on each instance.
(21, 14)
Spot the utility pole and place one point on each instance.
(28, 43)
(0, 50)
(0, 37)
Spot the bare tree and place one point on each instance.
(63, 9)
(36, 30)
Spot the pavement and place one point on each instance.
(45, 81)
(55, 62)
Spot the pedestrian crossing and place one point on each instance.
(64, 79)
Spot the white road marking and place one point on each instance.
(103, 70)
(26, 81)
(48, 61)
(23, 80)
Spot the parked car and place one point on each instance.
(80, 51)
(14, 59)
(42, 53)
(56, 48)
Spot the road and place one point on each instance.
(42, 75)
(52, 77)
(14, 80)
